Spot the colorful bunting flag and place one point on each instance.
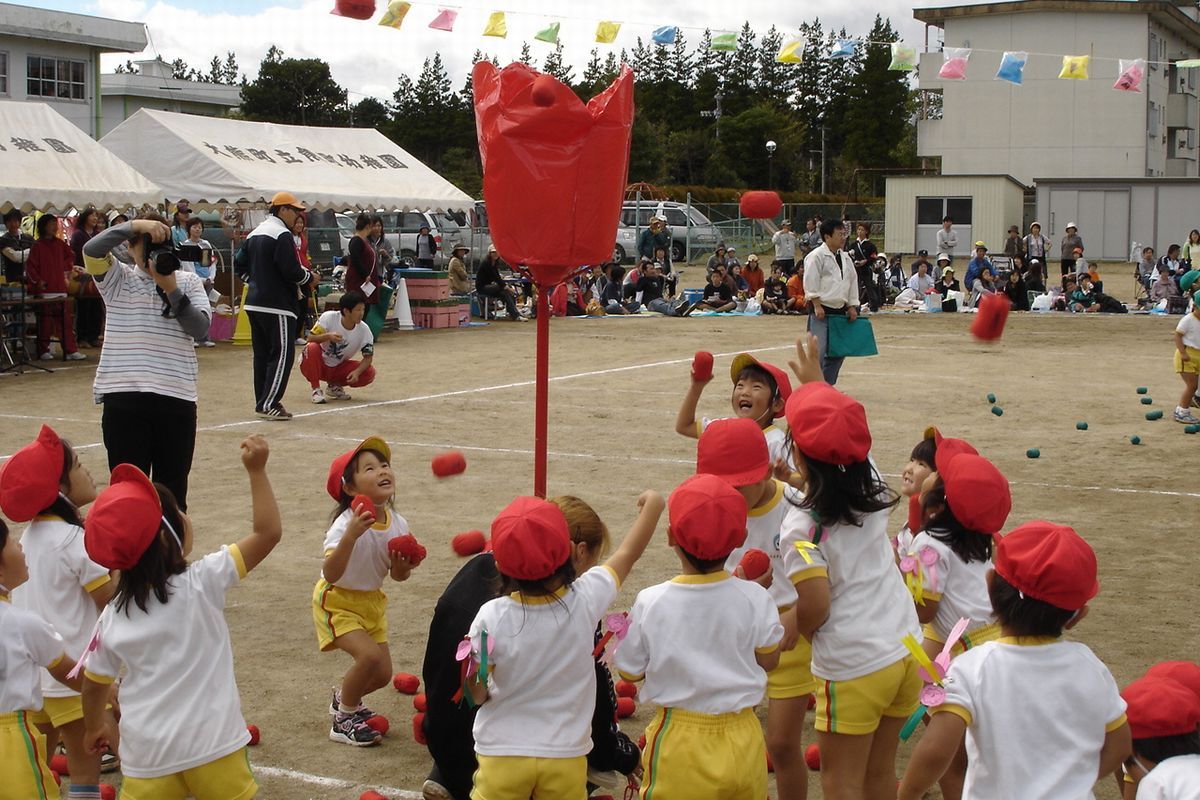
(843, 48)
(904, 57)
(606, 32)
(549, 34)
(792, 51)
(1133, 71)
(1188, 63)
(724, 42)
(393, 17)
(496, 25)
(665, 34)
(444, 21)
(1075, 67)
(1012, 67)
(954, 68)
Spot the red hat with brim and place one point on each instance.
(123, 520)
(1158, 706)
(1185, 672)
(707, 517)
(828, 425)
(977, 493)
(337, 468)
(1048, 562)
(783, 384)
(735, 450)
(29, 480)
(530, 539)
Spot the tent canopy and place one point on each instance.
(47, 162)
(214, 162)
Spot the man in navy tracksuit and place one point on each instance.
(269, 258)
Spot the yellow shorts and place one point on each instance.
(704, 756)
(227, 778)
(1192, 367)
(58, 711)
(984, 633)
(23, 760)
(523, 777)
(856, 706)
(792, 676)
(338, 611)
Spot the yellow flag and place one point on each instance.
(792, 52)
(606, 32)
(1075, 67)
(393, 17)
(496, 25)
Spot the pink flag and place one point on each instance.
(444, 21)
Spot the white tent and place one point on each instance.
(47, 162)
(213, 162)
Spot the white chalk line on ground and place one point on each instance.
(332, 783)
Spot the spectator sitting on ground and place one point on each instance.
(664, 266)
(610, 292)
(1099, 300)
(1034, 281)
(1081, 296)
(775, 299)
(1017, 292)
(921, 283)
(943, 263)
(717, 259)
(651, 286)
(753, 275)
(975, 269)
(947, 283)
(1018, 264)
(731, 258)
(985, 285)
(460, 280)
(1163, 288)
(796, 303)
(1147, 269)
(717, 296)
(922, 258)
(336, 337)
(1170, 262)
(739, 282)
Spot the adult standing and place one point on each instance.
(307, 295)
(89, 308)
(811, 238)
(785, 247)
(426, 248)
(1070, 241)
(269, 255)
(830, 287)
(14, 247)
(654, 238)
(361, 275)
(147, 377)
(1036, 245)
(179, 222)
(863, 253)
(50, 261)
(1014, 245)
(947, 239)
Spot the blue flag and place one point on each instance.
(665, 34)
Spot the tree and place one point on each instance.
(229, 70)
(740, 78)
(877, 114)
(557, 67)
(526, 56)
(369, 113)
(770, 79)
(295, 91)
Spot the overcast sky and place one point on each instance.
(366, 59)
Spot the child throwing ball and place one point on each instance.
(760, 391)
(349, 606)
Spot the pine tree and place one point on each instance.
(216, 71)
(877, 111)
(770, 80)
(740, 79)
(229, 71)
(640, 59)
(526, 56)
(557, 67)
(681, 70)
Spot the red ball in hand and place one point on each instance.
(626, 689)
(446, 464)
(702, 366)
(989, 321)
(379, 723)
(58, 763)
(469, 543)
(755, 563)
(418, 725)
(409, 548)
(812, 757)
(625, 707)
(406, 683)
(543, 91)
(255, 736)
(421, 702)
(108, 791)
(361, 504)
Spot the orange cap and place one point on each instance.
(287, 199)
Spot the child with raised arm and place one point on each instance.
(703, 642)
(760, 391)
(1042, 716)
(181, 731)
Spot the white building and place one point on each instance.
(1054, 128)
(54, 57)
(153, 87)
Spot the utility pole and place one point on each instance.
(716, 113)
(823, 129)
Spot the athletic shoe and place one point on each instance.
(276, 413)
(1186, 417)
(300, 342)
(336, 393)
(1196, 401)
(76, 356)
(47, 356)
(363, 712)
(109, 762)
(318, 397)
(432, 790)
(209, 343)
(350, 729)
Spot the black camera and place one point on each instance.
(162, 257)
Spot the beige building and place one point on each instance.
(1054, 128)
(982, 207)
(123, 94)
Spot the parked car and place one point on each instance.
(687, 224)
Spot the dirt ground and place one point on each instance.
(616, 386)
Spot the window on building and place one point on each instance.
(931, 210)
(1191, 139)
(1152, 120)
(1153, 58)
(58, 78)
(3, 73)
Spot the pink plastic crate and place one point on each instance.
(436, 316)
(221, 327)
(428, 288)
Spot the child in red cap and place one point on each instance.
(735, 450)
(28, 647)
(1042, 716)
(348, 604)
(181, 730)
(702, 641)
(531, 667)
(1163, 719)
(922, 462)
(45, 484)
(759, 393)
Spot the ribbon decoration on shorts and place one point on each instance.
(466, 656)
(916, 568)
(933, 671)
(618, 628)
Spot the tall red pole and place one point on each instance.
(541, 398)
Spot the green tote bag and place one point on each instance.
(850, 339)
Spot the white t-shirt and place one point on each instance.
(1176, 778)
(370, 561)
(1189, 326)
(179, 701)
(694, 639)
(28, 644)
(777, 439)
(763, 529)
(870, 609)
(542, 689)
(1037, 712)
(960, 587)
(60, 577)
(352, 343)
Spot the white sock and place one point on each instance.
(345, 709)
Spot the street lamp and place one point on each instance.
(770, 156)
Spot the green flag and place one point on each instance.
(549, 35)
(725, 42)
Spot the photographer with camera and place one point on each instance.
(147, 373)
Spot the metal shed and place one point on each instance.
(982, 206)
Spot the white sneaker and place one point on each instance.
(301, 342)
(336, 393)
(318, 397)
(209, 343)
(47, 356)
(76, 356)
(1186, 416)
